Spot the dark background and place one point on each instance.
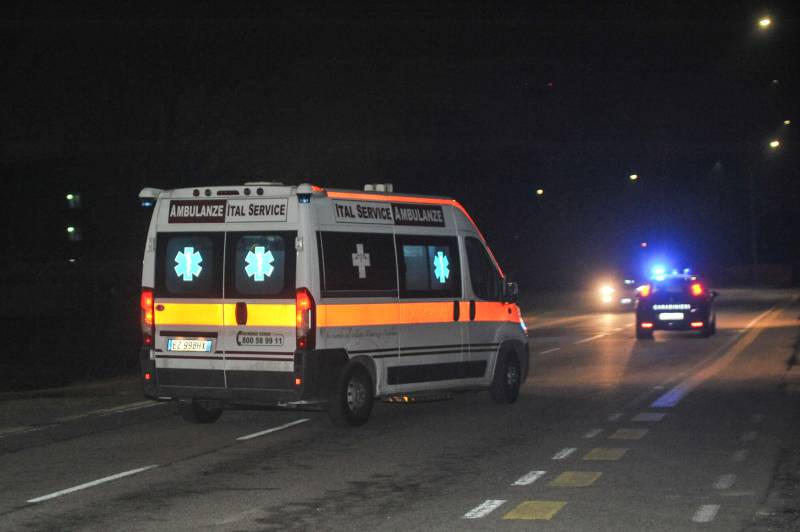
(485, 103)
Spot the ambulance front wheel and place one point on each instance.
(196, 412)
(351, 403)
(506, 381)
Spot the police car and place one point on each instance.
(298, 296)
(675, 302)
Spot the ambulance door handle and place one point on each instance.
(241, 313)
(456, 311)
(472, 311)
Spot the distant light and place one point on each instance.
(643, 245)
(539, 191)
(787, 122)
(73, 200)
(70, 229)
(775, 81)
(70, 197)
(764, 22)
(633, 177)
(775, 143)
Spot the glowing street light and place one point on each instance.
(539, 191)
(764, 22)
(633, 177)
(787, 122)
(774, 144)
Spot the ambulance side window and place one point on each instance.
(357, 264)
(486, 282)
(189, 265)
(429, 266)
(260, 265)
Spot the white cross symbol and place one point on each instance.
(361, 261)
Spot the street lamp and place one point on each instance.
(539, 191)
(764, 23)
(774, 144)
(787, 122)
(633, 177)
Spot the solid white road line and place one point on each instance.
(484, 509)
(114, 410)
(273, 429)
(589, 339)
(706, 513)
(529, 478)
(724, 482)
(91, 484)
(592, 433)
(549, 350)
(563, 453)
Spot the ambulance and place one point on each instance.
(266, 295)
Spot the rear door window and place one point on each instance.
(189, 265)
(429, 266)
(260, 265)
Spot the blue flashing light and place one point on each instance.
(441, 269)
(659, 272)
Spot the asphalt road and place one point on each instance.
(679, 433)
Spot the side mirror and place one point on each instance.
(510, 292)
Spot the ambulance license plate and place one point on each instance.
(194, 345)
(670, 316)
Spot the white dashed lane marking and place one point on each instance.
(706, 513)
(592, 433)
(530, 478)
(549, 350)
(563, 453)
(615, 417)
(90, 484)
(590, 339)
(484, 509)
(273, 429)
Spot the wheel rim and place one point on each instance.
(512, 376)
(356, 395)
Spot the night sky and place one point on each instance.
(482, 103)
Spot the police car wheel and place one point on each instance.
(196, 412)
(351, 404)
(506, 381)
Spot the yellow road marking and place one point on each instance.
(605, 454)
(575, 479)
(628, 434)
(535, 510)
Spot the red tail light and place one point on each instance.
(147, 321)
(304, 311)
(696, 289)
(645, 290)
(646, 325)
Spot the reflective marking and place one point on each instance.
(575, 479)
(592, 433)
(549, 350)
(757, 418)
(615, 417)
(90, 484)
(705, 513)
(563, 453)
(740, 455)
(629, 434)
(485, 508)
(589, 339)
(535, 510)
(725, 481)
(529, 478)
(749, 436)
(273, 429)
(649, 416)
(609, 454)
(114, 410)
(733, 348)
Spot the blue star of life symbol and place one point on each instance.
(259, 263)
(441, 270)
(187, 263)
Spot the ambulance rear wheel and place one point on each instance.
(197, 412)
(506, 381)
(351, 403)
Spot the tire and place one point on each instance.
(196, 412)
(505, 384)
(352, 400)
(714, 325)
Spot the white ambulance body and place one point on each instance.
(269, 295)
